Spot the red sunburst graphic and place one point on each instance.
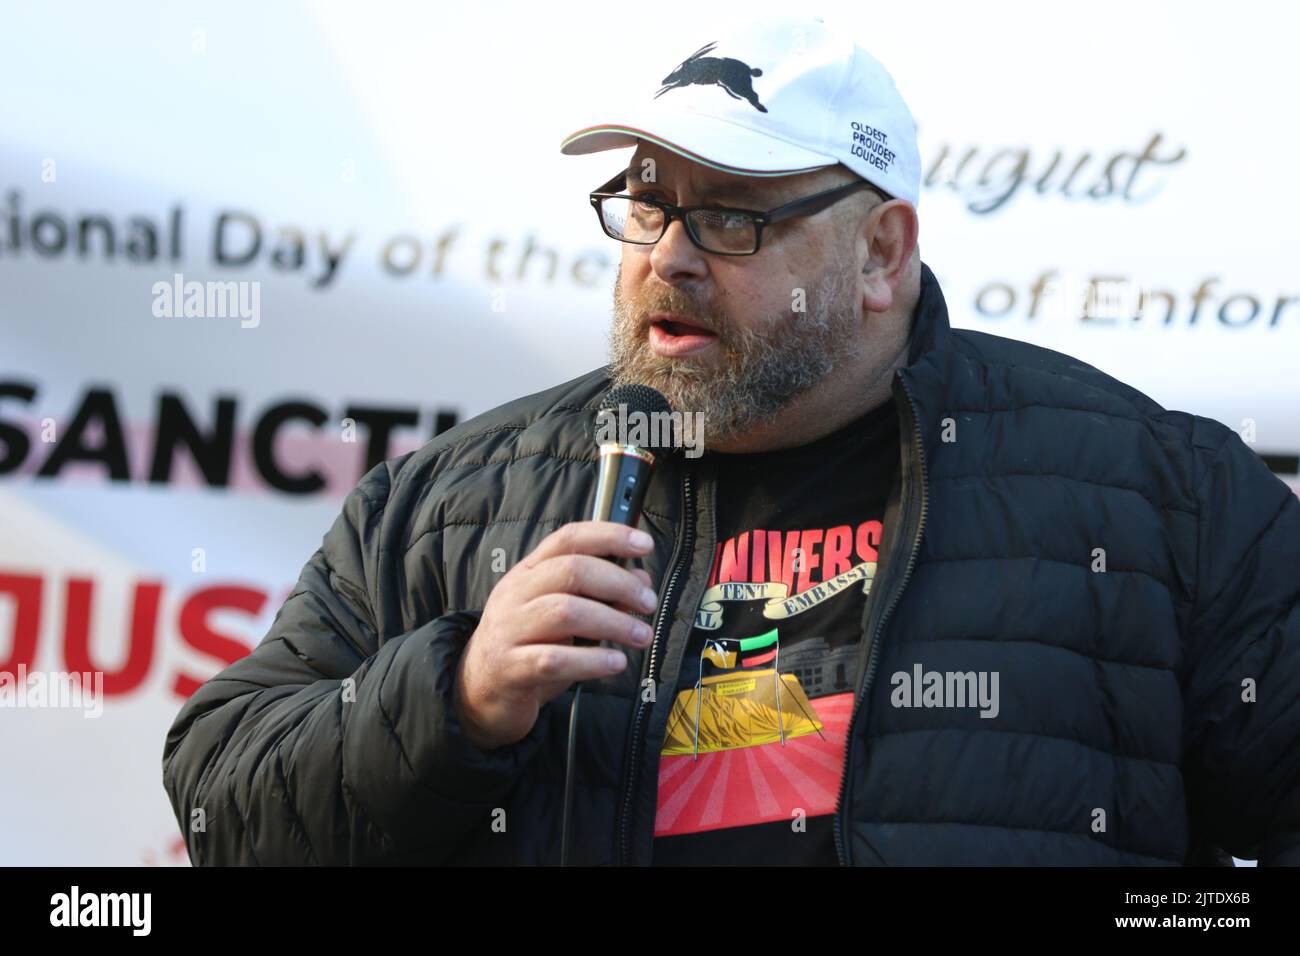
(748, 785)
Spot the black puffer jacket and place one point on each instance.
(1122, 735)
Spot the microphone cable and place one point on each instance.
(565, 826)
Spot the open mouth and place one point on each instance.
(673, 335)
(681, 327)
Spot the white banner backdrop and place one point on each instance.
(388, 182)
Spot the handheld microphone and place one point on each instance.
(624, 473)
(625, 468)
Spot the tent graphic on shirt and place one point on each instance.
(747, 707)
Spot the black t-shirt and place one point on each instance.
(773, 652)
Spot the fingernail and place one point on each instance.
(641, 633)
(617, 661)
(648, 599)
(641, 540)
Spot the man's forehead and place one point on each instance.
(679, 172)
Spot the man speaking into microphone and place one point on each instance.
(929, 596)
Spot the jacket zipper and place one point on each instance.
(841, 804)
(686, 546)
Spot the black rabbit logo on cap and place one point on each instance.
(730, 74)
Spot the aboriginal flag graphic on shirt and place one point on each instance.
(756, 729)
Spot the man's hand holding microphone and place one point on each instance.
(522, 653)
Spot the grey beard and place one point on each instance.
(763, 369)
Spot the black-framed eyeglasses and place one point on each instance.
(721, 230)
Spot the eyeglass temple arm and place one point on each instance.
(617, 183)
(815, 204)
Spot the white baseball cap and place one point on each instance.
(773, 98)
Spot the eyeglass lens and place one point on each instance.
(716, 229)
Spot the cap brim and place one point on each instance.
(702, 139)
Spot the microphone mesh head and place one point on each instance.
(637, 398)
(626, 404)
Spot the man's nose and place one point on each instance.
(674, 257)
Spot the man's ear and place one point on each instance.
(893, 228)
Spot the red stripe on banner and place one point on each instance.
(760, 659)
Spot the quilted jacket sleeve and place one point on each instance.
(1242, 699)
(326, 745)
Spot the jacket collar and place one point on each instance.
(930, 328)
